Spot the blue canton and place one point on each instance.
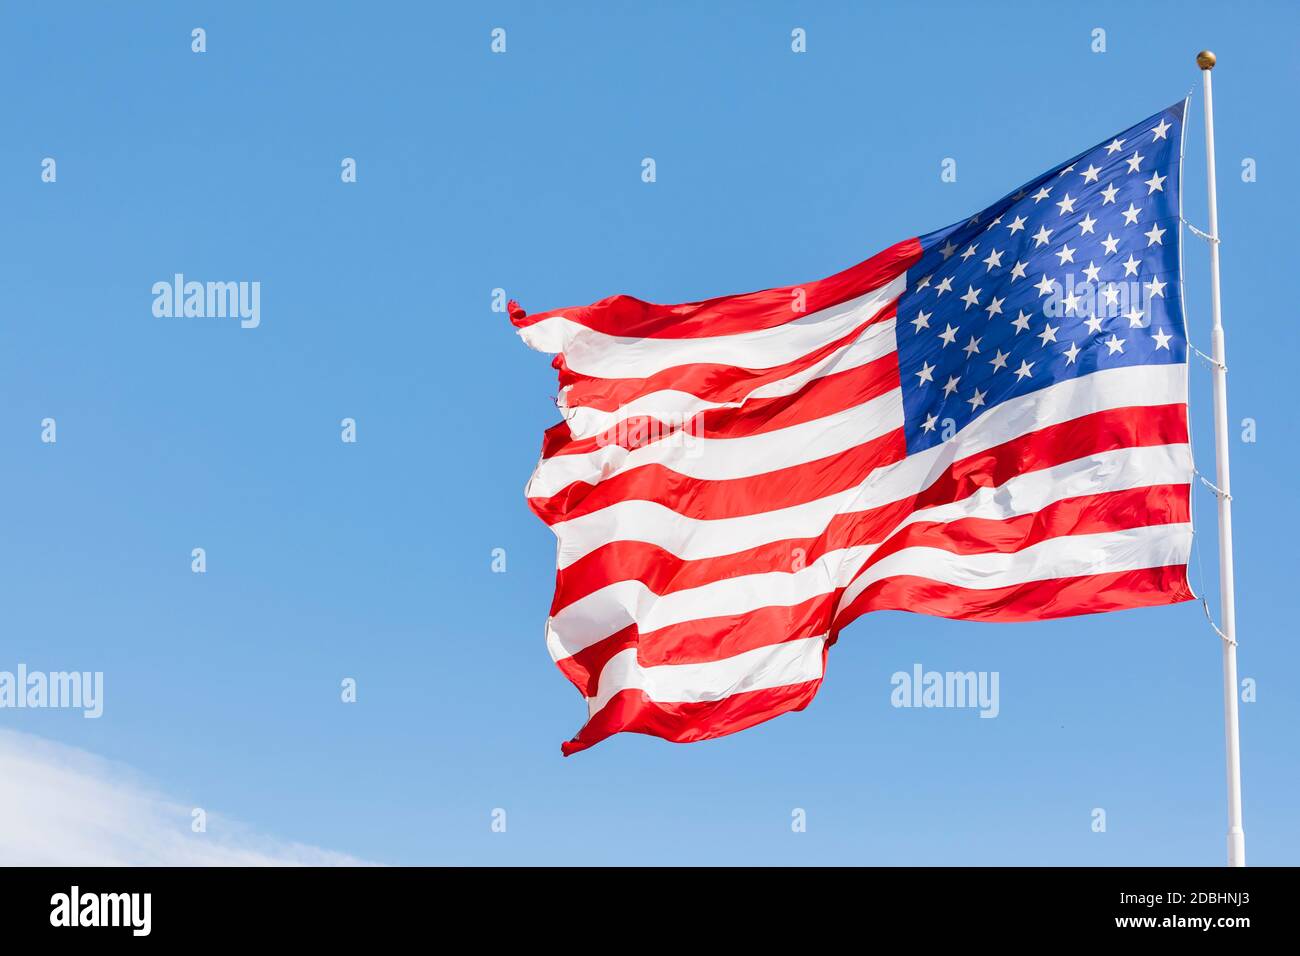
(1076, 272)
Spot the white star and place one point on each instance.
(972, 347)
(999, 360)
(1093, 323)
(1131, 265)
(1162, 339)
(1114, 146)
(1111, 244)
(1071, 354)
(995, 222)
(922, 283)
(995, 307)
(972, 296)
(1048, 334)
(1017, 224)
(977, 401)
(1021, 322)
(1090, 174)
(948, 249)
(994, 258)
(1018, 270)
(1134, 316)
(930, 422)
(1070, 303)
(1042, 236)
(1155, 183)
(970, 251)
(1134, 160)
(1023, 372)
(1093, 272)
(1066, 204)
(1115, 345)
(922, 320)
(944, 286)
(1160, 130)
(1042, 194)
(1066, 254)
(1111, 294)
(951, 386)
(1131, 215)
(1045, 286)
(1154, 235)
(1156, 287)
(1108, 194)
(1067, 169)
(926, 374)
(1086, 224)
(949, 335)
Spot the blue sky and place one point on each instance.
(372, 560)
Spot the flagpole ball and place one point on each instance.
(1205, 60)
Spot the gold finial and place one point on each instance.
(1205, 60)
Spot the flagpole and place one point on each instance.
(1236, 835)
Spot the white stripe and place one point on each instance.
(1117, 470)
(1153, 546)
(611, 608)
(720, 459)
(693, 538)
(669, 405)
(778, 665)
(597, 354)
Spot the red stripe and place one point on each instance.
(631, 711)
(1086, 514)
(664, 572)
(1032, 601)
(702, 640)
(817, 399)
(732, 314)
(728, 497)
(710, 381)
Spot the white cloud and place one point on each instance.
(60, 806)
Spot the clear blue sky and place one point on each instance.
(522, 171)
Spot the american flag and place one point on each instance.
(988, 422)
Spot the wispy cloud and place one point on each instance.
(64, 806)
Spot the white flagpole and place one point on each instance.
(1236, 835)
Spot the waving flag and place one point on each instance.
(988, 422)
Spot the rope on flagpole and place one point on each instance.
(1214, 627)
(1204, 235)
(1200, 568)
(1205, 604)
(1218, 492)
(1209, 359)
